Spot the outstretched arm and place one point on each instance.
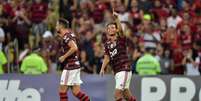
(106, 60)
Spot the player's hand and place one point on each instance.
(115, 14)
(61, 59)
(102, 72)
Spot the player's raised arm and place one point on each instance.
(119, 27)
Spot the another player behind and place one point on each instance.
(70, 77)
(116, 55)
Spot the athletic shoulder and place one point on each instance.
(69, 36)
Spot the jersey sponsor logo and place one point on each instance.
(113, 45)
(9, 91)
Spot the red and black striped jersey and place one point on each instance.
(71, 62)
(117, 51)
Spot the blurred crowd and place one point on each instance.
(171, 28)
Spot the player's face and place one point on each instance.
(58, 28)
(111, 29)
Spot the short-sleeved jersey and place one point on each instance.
(71, 62)
(117, 51)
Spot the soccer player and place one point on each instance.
(116, 55)
(70, 77)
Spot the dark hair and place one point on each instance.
(64, 22)
(150, 50)
(112, 23)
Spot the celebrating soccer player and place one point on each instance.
(116, 55)
(70, 77)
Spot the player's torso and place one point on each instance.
(71, 62)
(117, 51)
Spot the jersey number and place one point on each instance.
(113, 53)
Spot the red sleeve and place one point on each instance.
(106, 50)
(122, 38)
(68, 38)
